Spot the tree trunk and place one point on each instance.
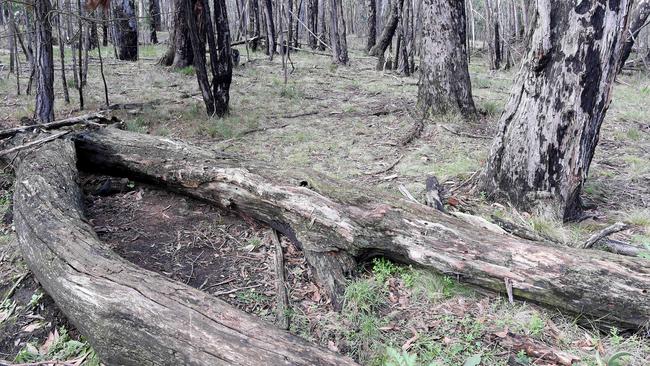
(322, 26)
(338, 39)
(637, 24)
(64, 82)
(312, 22)
(372, 24)
(270, 29)
(444, 75)
(254, 24)
(44, 110)
(129, 315)
(154, 20)
(336, 224)
(126, 30)
(223, 62)
(180, 54)
(548, 132)
(389, 29)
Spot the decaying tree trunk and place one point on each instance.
(336, 224)
(548, 132)
(44, 111)
(126, 29)
(444, 77)
(132, 316)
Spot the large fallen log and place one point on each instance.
(130, 315)
(337, 224)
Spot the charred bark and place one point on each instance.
(270, 29)
(444, 77)
(44, 111)
(129, 315)
(222, 63)
(126, 30)
(334, 224)
(548, 132)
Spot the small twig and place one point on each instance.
(619, 226)
(13, 288)
(391, 166)
(280, 280)
(235, 290)
(406, 193)
(33, 143)
(466, 134)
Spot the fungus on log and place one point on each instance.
(132, 316)
(336, 224)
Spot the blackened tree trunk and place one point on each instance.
(44, 111)
(223, 62)
(254, 24)
(154, 20)
(270, 29)
(389, 29)
(198, 50)
(372, 24)
(104, 28)
(312, 22)
(548, 132)
(638, 22)
(92, 41)
(126, 29)
(444, 77)
(337, 33)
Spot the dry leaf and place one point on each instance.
(52, 338)
(332, 346)
(32, 327)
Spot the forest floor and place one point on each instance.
(345, 122)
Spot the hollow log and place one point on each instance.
(132, 316)
(336, 224)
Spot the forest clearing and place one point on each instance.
(351, 222)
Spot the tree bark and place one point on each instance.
(222, 71)
(154, 20)
(44, 110)
(322, 26)
(180, 54)
(444, 76)
(336, 224)
(548, 132)
(389, 29)
(126, 30)
(270, 29)
(372, 24)
(338, 39)
(638, 22)
(254, 24)
(132, 316)
(312, 22)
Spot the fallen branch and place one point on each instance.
(465, 134)
(335, 223)
(33, 143)
(391, 166)
(518, 343)
(619, 226)
(280, 282)
(129, 315)
(86, 118)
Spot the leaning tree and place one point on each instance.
(444, 77)
(548, 132)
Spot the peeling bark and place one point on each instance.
(548, 132)
(336, 224)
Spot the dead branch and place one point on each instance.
(619, 226)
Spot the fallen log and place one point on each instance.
(86, 118)
(132, 316)
(336, 224)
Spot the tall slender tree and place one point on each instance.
(548, 132)
(44, 111)
(372, 24)
(338, 37)
(126, 29)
